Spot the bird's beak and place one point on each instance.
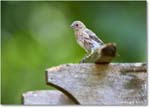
(71, 26)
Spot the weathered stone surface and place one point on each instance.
(45, 97)
(101, 84)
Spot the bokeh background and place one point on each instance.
(37, 35)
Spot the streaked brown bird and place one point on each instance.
(97, 51)
(86, 38)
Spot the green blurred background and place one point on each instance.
(37, 35)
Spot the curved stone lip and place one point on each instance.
(70, 96)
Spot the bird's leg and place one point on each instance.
(87, 56)
(91, 53)
(83, 59)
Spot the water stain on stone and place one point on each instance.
(134, 83)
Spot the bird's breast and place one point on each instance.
(79, 38)
(77, 34)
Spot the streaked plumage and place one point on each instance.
(85, 37)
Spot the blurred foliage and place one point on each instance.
(37, 35)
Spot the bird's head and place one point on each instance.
(78, 25)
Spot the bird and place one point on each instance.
(85, 37)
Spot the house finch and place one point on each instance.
(86, 38)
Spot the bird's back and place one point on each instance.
(94, 37)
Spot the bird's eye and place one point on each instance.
(77, 25)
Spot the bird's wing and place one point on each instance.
(93, 36)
